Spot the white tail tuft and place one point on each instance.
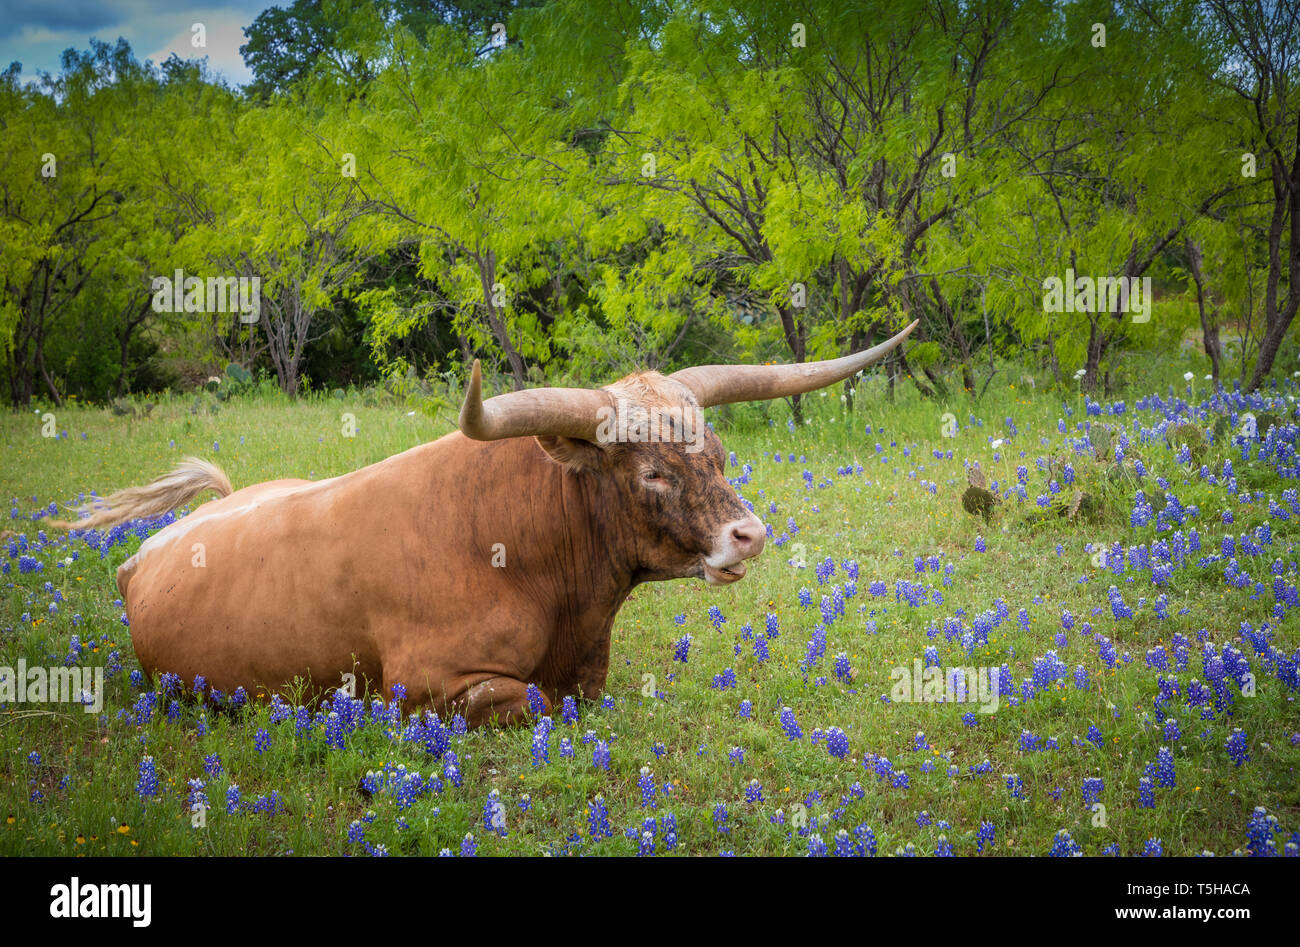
(183, 483)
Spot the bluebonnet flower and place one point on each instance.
(1260, 831)
(536, 702)
(1117, 607)
(1092, 789)
(843, 670)
(468, 847)
(837, 743)
(716, 618)
(494, 814)
(761, 652)
(569, 712)
(646, 782)
(261, 740)
(984, 836)
(746, 709)
(736, 756)
(598, 819)
(682, 649)
(333, 731)
(791, 726)
(772, 626)
(1154, 848)
(541, 747)
(1142, 512)
(645, 847)
(1164, 770)
(232, 798)
(147, 783)
(845, 846)
(1172, 732)
(1146, 793)
(1064, 846)
(600, 756)
(720, 819)
(979, 544)
(1236, 747)
(754, 791)
(451, 769)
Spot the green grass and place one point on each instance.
(881, 518)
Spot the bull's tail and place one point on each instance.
(183, 483)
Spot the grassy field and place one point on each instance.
(869, 770)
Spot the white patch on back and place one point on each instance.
(165, 537)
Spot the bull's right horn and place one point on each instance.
(727, 384)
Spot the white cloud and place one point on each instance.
(224, 35)
(39, 30)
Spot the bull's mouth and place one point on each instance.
(724, 575)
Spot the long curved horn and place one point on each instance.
(728, 384)
(566, 412)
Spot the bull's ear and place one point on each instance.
(571, 452)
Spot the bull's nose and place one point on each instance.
(748, 537)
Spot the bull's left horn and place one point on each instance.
(728, 384)
(564, 412)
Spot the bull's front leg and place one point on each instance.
(502, 701)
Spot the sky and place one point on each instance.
(36, 32)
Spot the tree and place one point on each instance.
(286, 45)
(1259, 48)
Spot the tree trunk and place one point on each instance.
(857, 339)
(794, 338)
(1209, 324)
(1278, 318)
(1268, 347)
(957, 336)
(487, 264)
(128, 329)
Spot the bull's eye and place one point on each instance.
(655, 480)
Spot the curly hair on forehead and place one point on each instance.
(652, 390)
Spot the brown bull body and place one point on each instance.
(389, 573)
(465, 569)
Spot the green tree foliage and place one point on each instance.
(568, 190)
